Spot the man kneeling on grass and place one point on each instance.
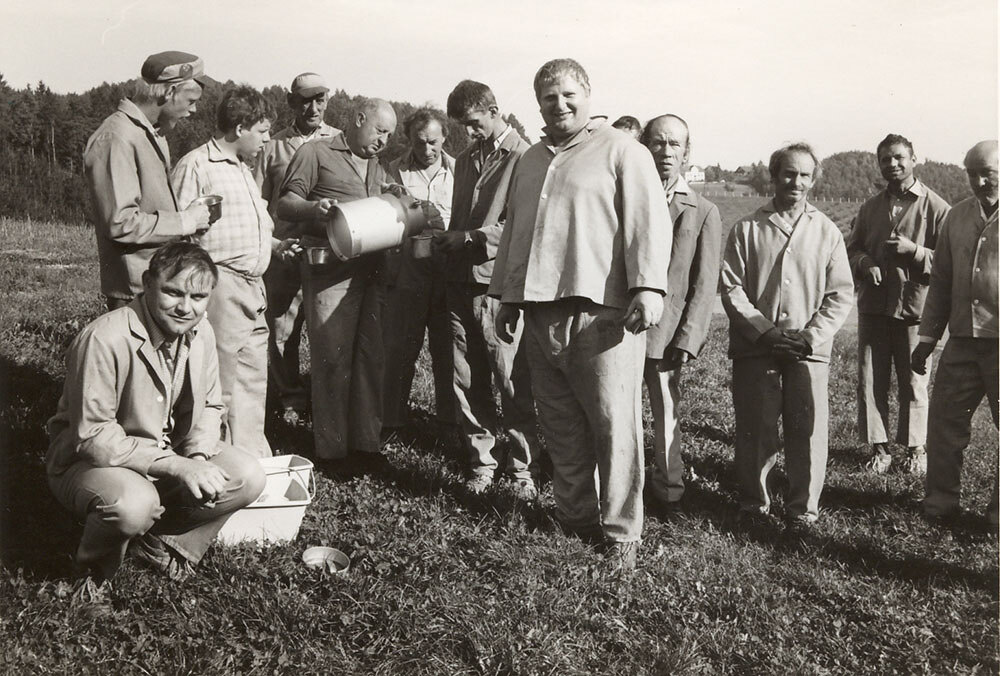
(135, 448)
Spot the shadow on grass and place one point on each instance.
(36, 533)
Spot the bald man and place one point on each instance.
(342, 298)
(963, 297)
(692, 279)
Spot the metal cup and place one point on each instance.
(214, 204)
(318, 255)
(422, 246)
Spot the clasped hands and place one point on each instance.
(785, 344)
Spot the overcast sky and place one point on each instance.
(747, 76)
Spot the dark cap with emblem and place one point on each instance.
(173, 68)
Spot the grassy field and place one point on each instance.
(444, 582)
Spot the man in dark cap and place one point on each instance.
(127, 163)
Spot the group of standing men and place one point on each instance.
(565, 273)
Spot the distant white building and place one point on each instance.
(694, 174)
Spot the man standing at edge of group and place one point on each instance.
(307, 99)
(479, 211)
(343, 299)
(127, 165)
(240, 244)
(787, 288)
(692, 280)
(588, 231)
(142, 401)
(963, 297)
(415, 287)
(891, 249)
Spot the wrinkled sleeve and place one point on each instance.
(858, 257)
(92, 406)
(302, 172)
(838, 297)
(646, 226)
(743, 314)
(923, 258)
(704, 281)
(114, 182)
(937, 307)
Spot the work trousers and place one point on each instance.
(664, 387)
(479, 358)
(966, 373)
(586, 375)
(885, 344)
(118, 504)
(236, 313)
(415, 304)
(343, 317)
(765, 388)
(285, 316)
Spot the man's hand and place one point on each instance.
(198, 213)
(901, 246)
(506, 322)
(287, 249)
(394, 189)
(674, 358)
(644, 311)
(449, 241)
(204, 481)
(435, 221)
(918, 360)
(793, 346)
(322, 207)
(873, 275)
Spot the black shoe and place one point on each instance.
(371, 463)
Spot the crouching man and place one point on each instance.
(134, 446)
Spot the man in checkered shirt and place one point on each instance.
(241, 245)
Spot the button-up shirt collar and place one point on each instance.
(680, 186)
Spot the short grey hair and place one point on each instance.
(556, 69)
(779, 155)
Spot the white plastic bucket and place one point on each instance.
(277, 514)
(373, 224)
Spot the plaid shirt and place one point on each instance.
(241, 239)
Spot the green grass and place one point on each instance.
(447, 583)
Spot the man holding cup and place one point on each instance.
(415, 286)
(241, 245)
(127, 163)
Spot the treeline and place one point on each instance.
(853, 175)
(43, 135)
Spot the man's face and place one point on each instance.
(479, 123)
(427, 143)
(794, 178)
(374, 130)
(896, 163)
(565, 107)
(982, 171)
(668, 142)
(308, 112)
(181, 102)
(252, 139)
(178, 304)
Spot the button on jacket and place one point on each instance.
(480, 203)
(790, 278)
(963, 292)
(904, 279)
(585, 220)
(127, 164)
